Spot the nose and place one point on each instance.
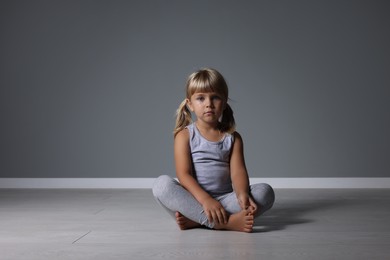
(209, 102)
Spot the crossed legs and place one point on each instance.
(189, 213)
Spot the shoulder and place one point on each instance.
(237, 139)
(182, 145)
(182, 136)
(237, 136)
(238, 148)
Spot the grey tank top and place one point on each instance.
(211, 162)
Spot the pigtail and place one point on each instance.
(228, 123)
(183, 117)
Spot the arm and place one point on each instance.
(213, 209)
(239, 175)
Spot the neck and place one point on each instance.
(207, 127)
(210, 132)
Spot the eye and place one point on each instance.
(216, 97)
(200, 98)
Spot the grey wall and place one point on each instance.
(89, 88)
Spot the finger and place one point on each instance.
(247, 203)
(215, 217)
(209, 216)
(253, 204)
(220, 217)
(224, 215)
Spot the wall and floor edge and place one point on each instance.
(147, 183)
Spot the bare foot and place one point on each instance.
(185, 223)
(241, 221)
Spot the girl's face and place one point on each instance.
(207, 106)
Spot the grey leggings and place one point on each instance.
(173, 197)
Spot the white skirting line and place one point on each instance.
(147, 183)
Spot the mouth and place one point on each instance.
(209, 113)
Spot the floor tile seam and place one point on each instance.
(78, 239)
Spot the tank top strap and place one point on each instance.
(191, 130)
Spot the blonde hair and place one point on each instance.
(205, 80)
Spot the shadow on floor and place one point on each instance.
(283, 215)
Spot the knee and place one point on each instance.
(264, 193)
(269, 194)
(161, 185)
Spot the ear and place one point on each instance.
(189, 105)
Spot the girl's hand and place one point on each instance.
(214, 211)
(246, 202)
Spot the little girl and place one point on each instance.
(213, 189)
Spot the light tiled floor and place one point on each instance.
(128, 224)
